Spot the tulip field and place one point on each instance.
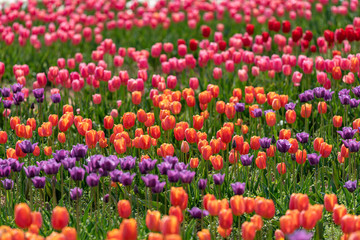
(179, 119)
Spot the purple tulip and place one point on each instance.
(60, 155)
(218, 178)
(347, 133)
(313, 158)
(147, 165)
(92, 180)
(257, 112)
(76, 193)
(32, 171)
(283, 145)
(5, 92)
(159, 187)
(354, 103)
(68, 163)
(77, 173)
(127, 178)
(164, 167)
(352, 145)
(8, 184)
(239, 107)
(7, 103)
(344, 99)
(108, 164)
(319, 92)
(52, 167)
(79, 151)
(38, 93)
(302, 137)
(246, 160)
(150, 180)
(198, 213)
(265, 142)
(351, 185)
(187, 176)
(116, 175)
(202, 184)
(127, 163)
(15, 165)
(180, 166)
(55, 98)
(300, 234)
(27, 147)
(171, 160)
(16, 87)
(238, 188)
(356, 91)
(18, 97)
(290, 106)
(39, 182)
(173, 176)
(328, 95)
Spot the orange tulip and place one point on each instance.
(279, 235)
(11, 153)
(136, 97)
(198, 122)
(260, 162)
(128, 229)
(175, 107)
(206, 199)
(285, 134)
(36, 219)
(32, 122)
(248, 230)
(22, 214)
(120, 145)
(153, 220)
(168, 123)
(308, 219)
(348, 223)
(270, 119)
(290, 116)
(255, 142)
(213, 207)
(54, 119)
(64, 123)
(69, 233)
(166, 150)
(184, 147)
(225, 218)
(294, 145)
(217, 162)
(90, 138)
(286, 224)
(264, 207)
(281, 168)
(306, 110)
(169, 225)
(270, 152)
(330, 200)
(178, 197)
(154, 236)
(299, 201)
(204, 234)
(124, 208)
(260, 98)
(249, 98)
(129, 120)
(258, 222)
(276, 104)
(325, 150)
(59, 218)
(337, 121)
(18, 150)
(48, 151)
(322, 107)
(14, 121)
(108, 122)
(194, 162)
(230, 110)
(225, 134)
(317, 143)
(36, 151)
(3, 137)
(224, 232)
(206, 152)
(220, 107)
(339, 211)
(301, 156)
(177, 212)
(244, 129)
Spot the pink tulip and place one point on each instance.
(296, 78)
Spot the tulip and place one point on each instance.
(59, 218)
(22, 214)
